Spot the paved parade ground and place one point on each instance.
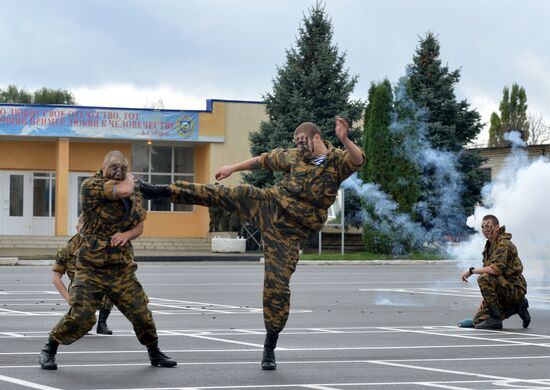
(351, 327)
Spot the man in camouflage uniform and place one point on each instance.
(216, 214)
(104, 263)
(65, 263)
(501, 280)
(285, 213)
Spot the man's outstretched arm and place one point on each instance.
(246, 165)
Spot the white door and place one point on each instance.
(75, 181)
(15, 203)
(43, 203)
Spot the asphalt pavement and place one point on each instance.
(352, 326)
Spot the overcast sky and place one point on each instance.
(129, 53)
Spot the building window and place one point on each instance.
(16, 195)
(43, 185)
(487, 174)
(163, 165)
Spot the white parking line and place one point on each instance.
(440, 370)
(28, 384)
(12, 334)
(224, 340)
(388, 362)
(474, 336)
(260, 348)
(11, 312)
(354, 384)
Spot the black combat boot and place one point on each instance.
(153, 191)
(524, 313)
(102, 327)
(268, 357)
(493, 322)
(158, 358)
(47, 355)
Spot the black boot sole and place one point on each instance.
(269, 367)
(167, 365)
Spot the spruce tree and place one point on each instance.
(513, 116)
(387, 166)
(313, 85)
(452, 124)
(377, 142)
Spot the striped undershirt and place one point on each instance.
(318, 160)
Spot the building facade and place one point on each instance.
(496, 155)
(46, 151)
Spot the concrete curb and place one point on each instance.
(8, 260)
(11, 261)
(16, 261)
(372, 262)
(35, 262)
(376, 262)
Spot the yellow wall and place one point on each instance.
(212, 124)
(28, 155)
(62, 187)
(240, 120)
(88, 156)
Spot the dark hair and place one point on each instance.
(309, 128)
(492, 218)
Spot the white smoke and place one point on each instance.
(518, 197)
(397, 227)
(440, 212)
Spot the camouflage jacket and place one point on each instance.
(502, 256)
(65, 259)
(308, 190)
(104, 215)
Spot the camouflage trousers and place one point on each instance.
(104, 304)
(281, 237)
(119, 284)
(497, 292)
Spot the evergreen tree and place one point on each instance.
(377, 142)
(451, 124)
(389, 168)
(387, 165)
(12, 94)
(513, 116)
(313, 85)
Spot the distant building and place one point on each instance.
(495, 156)
(46, 151)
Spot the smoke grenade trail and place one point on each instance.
(383, 216)
(439, 212)
(519, 199)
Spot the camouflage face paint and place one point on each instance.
(488, 229)
(116, 171)
(304, 145)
